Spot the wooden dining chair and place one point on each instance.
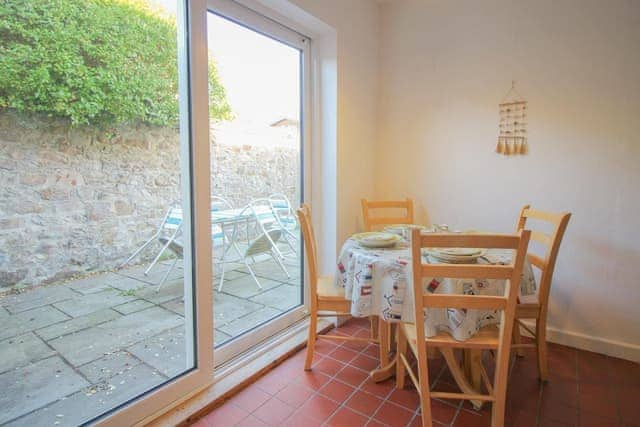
(535, 307)
(327, 299)
(492, 337)
(371, 221)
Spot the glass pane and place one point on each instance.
(93, 292)
(256, 178)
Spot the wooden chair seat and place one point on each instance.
(488, 337)
(327, 289)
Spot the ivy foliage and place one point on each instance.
(94, 62)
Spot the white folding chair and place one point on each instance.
(286, 219)
(264, 242)
(169, 230)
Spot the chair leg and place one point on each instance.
(166, 275)
(402, 351)
(373, 327)
(517, 339)
(425, 399)
(255, 279)
(541, 347)
(385, 347)
(311, 340)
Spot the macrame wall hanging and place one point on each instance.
(512, 139)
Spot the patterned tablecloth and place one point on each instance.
(378, 282)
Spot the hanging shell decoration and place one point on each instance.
(512, 139)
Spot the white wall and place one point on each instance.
(356, 22)
(444, 67)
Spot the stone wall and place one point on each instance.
(74, 201)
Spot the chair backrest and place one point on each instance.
(371, 221)
(304, 217)
(510, 273)
(281, 208)
(173, 218)
(551, 242)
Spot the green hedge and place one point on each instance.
(93, 62)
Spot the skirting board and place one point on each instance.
(613, 348)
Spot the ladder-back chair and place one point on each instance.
(535, 307)
(490, 337)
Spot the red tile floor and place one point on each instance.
(585, 389)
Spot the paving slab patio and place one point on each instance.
(77, 348)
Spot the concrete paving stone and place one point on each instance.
(249, 321)
(132, 306)
(166, 352)
(30, 387)
(22, 350)
(93, 284)
(229, 266)
(90, 344)
(246, 287)
(271, 270)
(128, 284)
(283, 297)
(109, 366)
(176, 305)
(170, 291)
(228, 275)
(227, 308)
(94, 400)
(220, 337)
(85, 304)
(155, 275)
(16, 303)
(77, 324)
(30, 320)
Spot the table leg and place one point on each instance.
(459, 375)
(472, 361)
(387, 367)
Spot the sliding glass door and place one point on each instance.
(257, 175)
(103, 190)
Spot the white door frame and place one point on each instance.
(194, 126)
(255, 21)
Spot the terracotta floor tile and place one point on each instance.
(250, 398)
(294, 395)
(407, 398)
(273, 412)
(312, 380)
(393, 415)
(381, 389)
(227, 414)
(554, 410)
(365, 362)
(374, 423)
(324, 347)
(520, 419)
(251, 421)
(372, 350)
(442, 412)
(353, 376)
(328, 366)
(319, 407)
(343, 354)
(593, 420)
(345, 417)
(365, 403)
(299, 419)
(272, 383)
(469, 419)
(336, 390)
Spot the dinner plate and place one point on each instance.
(376, 239)
(449, 258)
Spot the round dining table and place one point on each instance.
(378, 282)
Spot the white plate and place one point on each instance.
(454, 259)
(376, 239)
